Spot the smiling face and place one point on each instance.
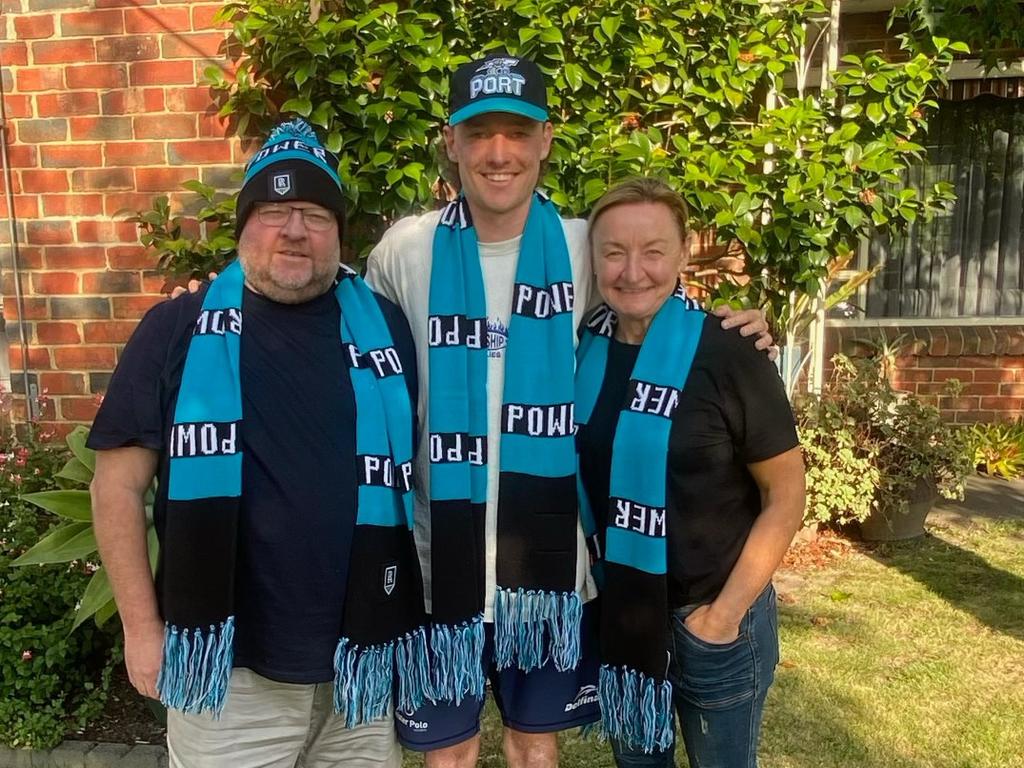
(499, 156)
(638, 251)
(289, 263)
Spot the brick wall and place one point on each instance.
(106, 110)
(987, 360)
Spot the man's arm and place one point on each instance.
(118, 489)
(781, 482)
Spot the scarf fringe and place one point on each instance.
(413, 662)
(456, 652)
(196, 668)
(635, 709)
(521, 620)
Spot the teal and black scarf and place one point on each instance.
(382, 634)
(636, 697)
(537, 610)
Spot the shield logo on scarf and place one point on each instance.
(390, 578)
(282, 184)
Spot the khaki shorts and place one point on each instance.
(278, 725)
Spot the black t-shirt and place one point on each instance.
(298, 468)
(732, 412)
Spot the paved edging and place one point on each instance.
(86, 754)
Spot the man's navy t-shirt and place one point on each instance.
(298, 467)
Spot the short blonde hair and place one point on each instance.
(642, 189)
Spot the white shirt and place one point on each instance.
(399, 268)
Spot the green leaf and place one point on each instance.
(661, 83)
(610, 25)
(105, 613)
(97, 594)
(875, 113)
(854, 216)
(71, 541)
(300, 106)
(76, 471)
(76, 438)
(71, 504)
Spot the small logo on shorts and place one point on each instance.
(390, 578)
(586, 695)
(406, 718)
(282, 184)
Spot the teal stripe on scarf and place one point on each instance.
(636, 703)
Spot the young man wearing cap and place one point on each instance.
(275, 408)
(495, 286)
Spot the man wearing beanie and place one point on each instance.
(495, 286)
(275, 408)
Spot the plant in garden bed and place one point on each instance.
(999, 449)
(902, 445)
(53, 678)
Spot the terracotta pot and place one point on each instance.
(887, 523)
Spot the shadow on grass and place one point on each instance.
(994, 596)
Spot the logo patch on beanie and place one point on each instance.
(281, 183)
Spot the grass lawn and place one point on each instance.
(903, 655)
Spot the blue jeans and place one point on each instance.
(718, 691)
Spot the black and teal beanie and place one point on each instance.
(291, 165)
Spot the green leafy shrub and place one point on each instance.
(52, 679)
(867, 445)
(674, 89)
(999, 449)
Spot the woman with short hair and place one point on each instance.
(691, 468)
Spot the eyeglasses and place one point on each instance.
(315, 219)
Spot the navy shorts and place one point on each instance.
(541, 701)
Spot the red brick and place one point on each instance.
(131, 257)
(127, 204)
(123, 3)
(133, 307)
(104, 179)
(914, 375)
(199, 45)
(61, 383)
(38, 358)
(79, 408)
(134, 153)
(993, 374)
(984, 388)
(75, 257)
(15, 54)
(203, 16)
(66, 104)
(162, 73)
(73, 205)
(1002, 403)
(63, 51)
(201, 152)
(212, 126)
(92, 23)
(197, 99)
(964, 374)
(48, 129)
(1015, 362)
(22, 156)
(962, 403)
(165, 126)
(156, 20)
(71, 156)
(111, 282)
(84, 358)
(48, 232)
(25, 207)
(18, 105)
(31, 256)
(35, 309)
(1011, 390)
(112, 331)
(128, 48)
(106, 232)
(33, 27)
(44, 181)
(977, 361)
(97, 76)
(132, 101)
(162, 179)
(39, 79)
(58, 333)
(107, 128)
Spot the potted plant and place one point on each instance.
(917, 454)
